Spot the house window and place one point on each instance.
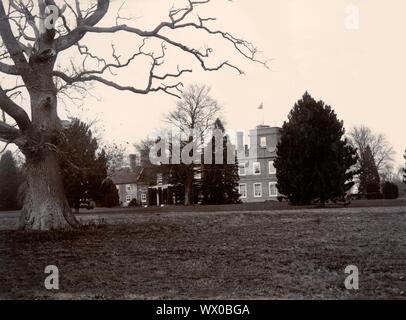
(143, 197)
(241, 170)
(243, 190)
(257, 190)
(263, 142)
(128, 198)
(128, 187)
(273, 191)
(272, 169)
(257, 168)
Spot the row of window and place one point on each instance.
(257, 188)
(257, 169)
(129, 197)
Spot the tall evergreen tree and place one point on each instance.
(84, 168)
(110, 197)
(369, 175)
(231, 182)
(219, 184)
(314, 160)
(9, 182)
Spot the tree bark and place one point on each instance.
(45, 206)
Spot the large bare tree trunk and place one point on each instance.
(45, 205)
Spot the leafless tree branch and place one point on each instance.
(35, 44)
(14, 111)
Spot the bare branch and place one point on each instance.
(9, 69)
(177, 16)
(86, 75)
(73, 37)
(164, 88)
(9, 134)
(177, 21)
(49, 42)
(14, 111)
(10, 42)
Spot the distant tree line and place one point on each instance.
(316, 162)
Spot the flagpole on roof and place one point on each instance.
(261, 107)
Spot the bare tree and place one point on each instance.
(196, 110)
(115, 157)
(143, 148)
(194, 116)
(361, 137)
(34, 34)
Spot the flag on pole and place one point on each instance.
(261, 107)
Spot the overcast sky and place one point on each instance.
(359, 72)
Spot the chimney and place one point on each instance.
(145, 162)
(133, 161)
(240, 141)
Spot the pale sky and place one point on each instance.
(360, 73)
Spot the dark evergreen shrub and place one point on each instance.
(390, 190)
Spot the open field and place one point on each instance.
(258, 254)
(9, 220)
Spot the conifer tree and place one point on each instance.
(369, 175)
(84, 166)
(219, 183)
(314, 161)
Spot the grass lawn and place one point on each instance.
(214, 255)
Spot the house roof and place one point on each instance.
(127, 175)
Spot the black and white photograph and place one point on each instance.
(202, 150)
